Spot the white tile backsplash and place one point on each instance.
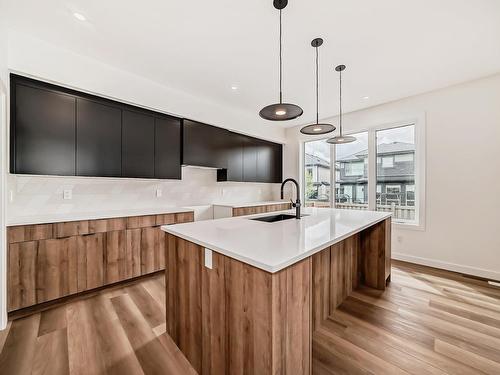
(41, 195)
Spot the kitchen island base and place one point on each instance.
(234, 318)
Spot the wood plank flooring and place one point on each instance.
(426, 322)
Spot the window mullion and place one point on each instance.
(372, 170)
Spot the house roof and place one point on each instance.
(384, 148)
(316, 160)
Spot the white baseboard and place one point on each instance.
(479, 272)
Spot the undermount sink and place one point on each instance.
(274, 218)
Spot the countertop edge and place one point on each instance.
(251, 204)
(265, 267)
(47, 219)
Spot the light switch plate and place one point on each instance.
(158, 193)
(67, 194)
(208, 258)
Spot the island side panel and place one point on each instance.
(252, 321)
(376, 253)
(183, 297)
(345, 269)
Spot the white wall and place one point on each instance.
(3, 161)
(462, 205)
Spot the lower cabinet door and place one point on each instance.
(21, 274)
(133, 252)
(90, 261)
(56, 268)
(149, 250)
(115, 260)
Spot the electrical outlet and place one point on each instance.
(67, 194)
(400, 239)
(158, 193)
(11, 195)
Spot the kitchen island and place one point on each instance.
(245, 296)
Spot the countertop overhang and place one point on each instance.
(275, 246)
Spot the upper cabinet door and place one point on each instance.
(234, 155)
(138, 144)
(277, 163)
(98, 139)
(42, 131)
(168, 147)
(250, 148)
(264, 161)
(204, 145)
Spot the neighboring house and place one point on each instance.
(395, 175)
(317, 178)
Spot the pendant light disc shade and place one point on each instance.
(314, 129)
(317, 42)
(341, 139)
(281, 112)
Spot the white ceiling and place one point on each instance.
(392, 48)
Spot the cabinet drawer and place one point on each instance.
(22, 233)
(165, 219)
(184, 217)
(141, 221)
(107, 225)
(71, 228)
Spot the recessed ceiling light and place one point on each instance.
(234, 87)
(366, 97)
(79, 16)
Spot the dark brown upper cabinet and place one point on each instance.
(168, 138)
(204, 145)
(138, 145)
(42, 130)
(250, 148)
(98, 139)
(59, 131)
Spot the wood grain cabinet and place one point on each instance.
(55, 260)
(253, 210)
(56, 268)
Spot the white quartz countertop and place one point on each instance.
(250, 204)
(274, 246)
(75, 216)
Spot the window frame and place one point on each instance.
(418, 122)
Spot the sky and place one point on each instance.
(322, 149)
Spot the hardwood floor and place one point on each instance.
(426, 322)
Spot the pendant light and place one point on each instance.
(317, 128)
(341, 139)
(280, 111)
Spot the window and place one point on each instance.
(401, 158)
(387, 162)
(317, 173)
(355, 168)
(384, 170)
(351, 181)
(396, 145)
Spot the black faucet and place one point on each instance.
(297, 202)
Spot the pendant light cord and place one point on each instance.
(340, 101)
(317, 87)
(281, 64)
